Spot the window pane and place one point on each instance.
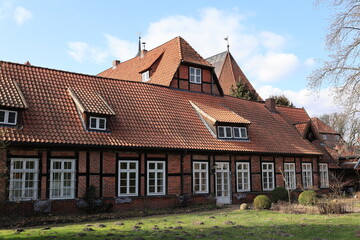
(151, 165)
(56, 165)
(160, 166)
(67, 165)
(236, 133)
(102, 123)
(123, 165)
(2, 116)
(132, 166)
(228, 132)
(12, 117)
(92, 122)
(221, 132)
(243, 133)
(18, 165)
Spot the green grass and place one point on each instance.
(247, 225)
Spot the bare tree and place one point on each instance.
(342, 70)
(337, 183)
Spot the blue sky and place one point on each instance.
(276, 43)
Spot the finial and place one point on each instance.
(139, 47)
(227, 40)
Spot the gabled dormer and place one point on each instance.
(12, 104)
(94, 111)
(173, 64)
(223, 123)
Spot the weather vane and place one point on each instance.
(227, 40)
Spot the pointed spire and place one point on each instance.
(139, 48)
(227, 40)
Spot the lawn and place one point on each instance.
(219, 224)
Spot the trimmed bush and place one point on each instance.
(279, 194)
(262, 202)
(307, 197)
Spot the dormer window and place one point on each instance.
(229, 132)
(195, 75)
(97, 123)
(225, 132)
(240, 132)
(145, 76)
(8, 117)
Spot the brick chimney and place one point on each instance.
(270, 105)
(115, 63)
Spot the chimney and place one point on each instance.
(270, 105)
(27, 63)
(143, 51)
(115, 63)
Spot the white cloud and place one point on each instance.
(310, 62)
(272, 66)
(21, 15)
(315, 104)
(5, 9)
(120, 49)
(81, 51)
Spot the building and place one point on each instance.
(143, 133)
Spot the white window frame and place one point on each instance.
(145, 76)
(6, 117)
(225, 133)
(324, 137)
(156, 171)
(242, 180)
(324, 175)
(195, 75)
(128, 171)
(240, 134)
(62, 173)
(24, 171)
(290, 175)
(307, 178)
(97, 123)
(197, 175)
(268, 174)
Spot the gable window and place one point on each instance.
(324, 137)
(8, 117)
(307, 175)
(324, 175)
(195, 75)
(156, 178)
(243, 176)
(62, 178)
(145, 76)
(267, 176)
(224, 132)
(128, 178)
(23, 179)
(97, 123)
(200, 177)
(289, 174)
(240, 132)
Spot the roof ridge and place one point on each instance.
(180, 49)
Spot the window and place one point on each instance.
(307, 175)
(156, 178)
(23, 179)
(289, 174)
(62, 178)
(243, 177)
(224, 132)
(8, 117)
(337, 138)
(97, 123)
(324, 137)
(240, 132)
(324, 175)
(268, 176)
(145, 76)
(195, 75)
(128, 178)
(200, 177)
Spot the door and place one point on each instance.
(222, 180)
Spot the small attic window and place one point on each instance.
(8, 117)
(229, 132)
(97, 123)
(145, 76)
(195, 75)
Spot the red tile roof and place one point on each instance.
(172, 53)
(228, 72)
(294, 115)
(323, 127)
(147, 115)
